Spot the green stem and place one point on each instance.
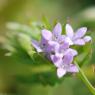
(85, 80)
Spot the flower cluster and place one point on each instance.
(56, 47)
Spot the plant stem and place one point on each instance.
(85, 80)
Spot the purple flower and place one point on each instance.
(56, 47)
(78, 37)
(46, 37)
(51, 41)
(64, 63)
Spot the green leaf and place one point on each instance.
(84, 55)
(45, 78)
(25, 43)
(46, 23)
(20, 28)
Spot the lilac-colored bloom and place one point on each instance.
(51, 41)
(64, 63)
(61, 71)
(57, 47)
(78, 37)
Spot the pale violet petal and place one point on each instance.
(72, 68)
(63, 47)
(71, 51)
(61, 72)
(87, 38)
(79, 42)
(54, 45)
(61, 39)
(68, 58)
(57, 59)
(57, 30)
(36, 46)
(69, 41)
(43, 43)
(46, 34)
(80, 33)
(69, 31)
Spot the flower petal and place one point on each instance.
(69, 31)
(61, 39)
(69, 41)
(46, 34)
(80, 32)
(72, 68)
(43, 43)
(57, 59)
(61, 72)
(68, 59)
(36, 45)
(87, 38)
(71, 51)
(54, 46)
(57, 30)
(79, 42)
(63, 47)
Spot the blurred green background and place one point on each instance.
(78, 12)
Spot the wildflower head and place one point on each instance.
(57, 47)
